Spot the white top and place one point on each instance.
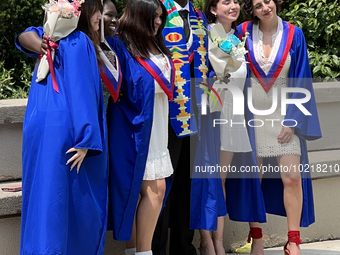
(106, 61)
(258, 45)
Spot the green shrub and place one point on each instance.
(8, 87)
(15, 17)
(120, 5)
(320, 22)
(6, 81)
(199, 4)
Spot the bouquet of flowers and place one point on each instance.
(61, 19)
(225, 51)
(225, 55)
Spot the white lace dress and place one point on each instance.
(158, 164)
(234, 135)
(266, 136)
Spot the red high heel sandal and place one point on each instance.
(255, 233)
(293, 237)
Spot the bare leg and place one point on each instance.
(206, 244)
(257, 245)
(292, 194)
(217, 237)
(150, 205)
(226, 157)
(132, 243)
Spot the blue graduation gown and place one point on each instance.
(64, 212)
(207, 193)
(207, 199)
(130, 123)
(308, 128)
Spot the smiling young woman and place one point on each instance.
(110, 18)
(138, 125)
(234, 139)
(278, 58)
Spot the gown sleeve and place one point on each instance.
(300, 76)
(83, 92)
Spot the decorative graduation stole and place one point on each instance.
(181, 117)
(111, 74)
(267, 80)
(157, 74)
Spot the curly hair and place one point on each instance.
(248, 11)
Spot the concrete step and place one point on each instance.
(319, 248)
(10, 202)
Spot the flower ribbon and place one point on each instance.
(51, 45)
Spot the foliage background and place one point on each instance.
(319, 20)
(15, 68)
(320, 23)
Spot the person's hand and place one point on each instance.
(226, 78)
(77, 158)
(286, 135)
(44, 46)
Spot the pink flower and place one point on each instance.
(54, 8)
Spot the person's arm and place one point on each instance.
(32, 42)
(34, 46)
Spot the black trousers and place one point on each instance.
(176, 214)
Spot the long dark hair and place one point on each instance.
(136, 27)
(211, 17)
(89, 8)
(247, 6)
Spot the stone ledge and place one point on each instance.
(324, 164)
(12, 110)
(327, 92)
(10, 202)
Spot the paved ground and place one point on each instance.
(320, 248)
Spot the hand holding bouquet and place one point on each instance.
(226, 54)
(224, 51)
(61, 19)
